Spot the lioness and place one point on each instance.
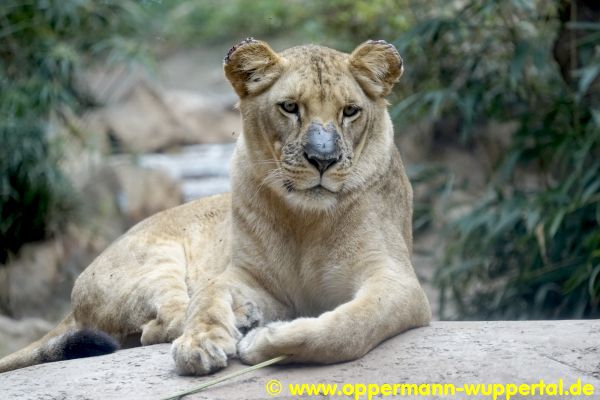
(309, 256)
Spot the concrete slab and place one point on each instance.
(446, 352)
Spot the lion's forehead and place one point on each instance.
(316, 72)
(308, 51)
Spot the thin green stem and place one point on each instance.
(225, 378)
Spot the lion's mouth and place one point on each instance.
(319, 189)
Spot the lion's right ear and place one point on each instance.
(251, 66)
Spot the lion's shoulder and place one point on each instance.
(199, 211)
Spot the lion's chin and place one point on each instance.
(316, 198)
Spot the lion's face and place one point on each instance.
(316, 114)
(307, 113)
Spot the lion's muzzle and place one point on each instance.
(322, 148)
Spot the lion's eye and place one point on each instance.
(351, 110)
(289, 106)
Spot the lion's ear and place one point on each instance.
(251, 66)
(376, 65)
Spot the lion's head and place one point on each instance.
(315, 120)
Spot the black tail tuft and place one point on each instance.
(85, 343)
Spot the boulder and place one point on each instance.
(37, 281)
(144, 192)
(456, 353)
(33, 280)
(16, 334)
(150, 119)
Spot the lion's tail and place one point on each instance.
(64, 342)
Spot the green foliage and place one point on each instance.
(530, 247)
(430, 182)
(338, 23)
(35, 195)
(190, 22)
(43, 46)
(532, 252)
(485, 60)
(346, 23)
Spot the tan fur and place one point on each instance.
(322, 274)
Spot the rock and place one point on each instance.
(446, 352)
(28, 296)
(192, 161)
(199, 70)
(196, 188)
(204, 119)
(37, 282)
(144, 191)
(202, 170)
(185, 100)
(149, 119)
(106, 84)
(16, 334)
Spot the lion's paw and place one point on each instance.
(248, 317)
(159, 331)
(202, 353)
(260, 344)
(252, 348)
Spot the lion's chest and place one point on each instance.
(316, 281)
(310, 267)
(330, 287)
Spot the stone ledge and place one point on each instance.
(445, 352)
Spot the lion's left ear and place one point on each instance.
(251, 66)
(376, 65)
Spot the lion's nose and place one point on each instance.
(322, 148)
(321, 164)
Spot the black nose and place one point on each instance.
(320, 164)
(322, 148)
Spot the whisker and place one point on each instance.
(271, 177)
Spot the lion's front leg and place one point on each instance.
(210, 334)
(384, 306)
(217, 316)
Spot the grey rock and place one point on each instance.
(145, 191)
(152, 119)
(24, 296)
(203, 170)
(15, 334)
(446, 352)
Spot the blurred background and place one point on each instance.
(113, 110)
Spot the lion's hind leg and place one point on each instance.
(169, 301)
(168, 324)
(138, 296)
